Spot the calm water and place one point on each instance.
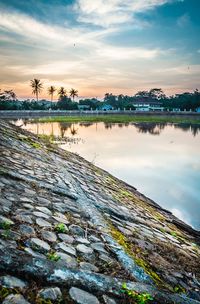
(161, 161)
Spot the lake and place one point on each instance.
(161, 160)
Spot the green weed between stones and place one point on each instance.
(139, 298)
(52, 256)
(4, 292)
(6, 234)
(60, 228)
(173, 233)
(6, 225)
(179, 289)
(29, 141)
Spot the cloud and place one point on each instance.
(127, 53)
(112, 12)
(180, 70)
(33, 30)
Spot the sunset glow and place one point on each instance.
(100, 46)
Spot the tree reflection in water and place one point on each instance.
(193, 128)
(151, 128)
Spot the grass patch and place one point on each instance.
(61, 228)
(139, 298)
(29, 141)
(109, 118)
(52, 256)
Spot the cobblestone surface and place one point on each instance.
(56, 207)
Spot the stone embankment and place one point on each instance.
(72, 233)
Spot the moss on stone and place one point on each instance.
(128, 248)
(29, 141)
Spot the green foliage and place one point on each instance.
(6, 234)
(185, 101)
(37, 86)
(52, 256)
(139, 298)
(29, 141)
(173, 233)
(179, 289)
(5, 225)
(65, 103)
(60, 228)
(35, 145)
(4, 292)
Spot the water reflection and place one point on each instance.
(151, 128)
(160, 160)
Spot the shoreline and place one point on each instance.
(107, 117)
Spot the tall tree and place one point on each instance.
(51, 91)
(73, 93)
(157, 93)
(62, 92)
(37, 87)
(8, 95)
(142, 94)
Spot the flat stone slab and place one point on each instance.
(15, 299)
(84, 249)
(100, 247)
(53, 293)
(49, 236)
(66, 238)
(41, 214)
(39, 245)
(61, 220)
(27, 230)
(88, 267)
(82, 241)
(12, 282)
(75, 229)
(24, 218)
(108, 300)
(82, 297)
(68, 249)
(42, 223)
(44, 210)
(68, 260)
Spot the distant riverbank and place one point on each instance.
(101, 116)
(122, 119)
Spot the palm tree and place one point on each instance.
(73, 93)
(51, 91)
(62, 92)
(37, 87)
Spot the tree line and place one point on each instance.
(8, 99)
(37, 87)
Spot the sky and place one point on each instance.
(100, 46)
